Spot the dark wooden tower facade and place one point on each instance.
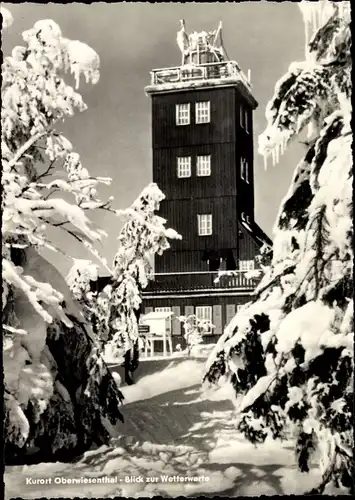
(198, 167)
(202, 140)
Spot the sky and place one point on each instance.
(113, 136)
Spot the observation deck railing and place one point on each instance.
(205, 71)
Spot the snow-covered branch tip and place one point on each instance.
(7, 18)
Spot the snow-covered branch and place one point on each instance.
(305, 94)
(35, 98)
(25, 147)
(7, 18)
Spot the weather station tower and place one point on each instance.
(202, 142)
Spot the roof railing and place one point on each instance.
(193, 72)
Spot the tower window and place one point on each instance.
(203, 112)
(204, 222)
(246, 265)
(244, 117)
(244, 169)
(241, 115)
(182, 114)
(204, 165)
(204, 313)
(184, 166)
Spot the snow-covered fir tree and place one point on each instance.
(44, 398)
(194, 329)
(114, 311)
(143, 236)
(289, 353)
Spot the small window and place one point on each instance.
(203, 112)
(204, 313)
(246, 119)
(204, 224)
(184, 166)
(204, 165)
(241, 115)
(244, 169)
(183, 114)
(246, 265)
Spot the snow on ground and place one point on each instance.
(176, 440)
(177, 376)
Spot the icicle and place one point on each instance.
(273, 152)
(283, 144)
(316, 17)
(303, 5)
(265, 161)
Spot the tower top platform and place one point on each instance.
(204, 64)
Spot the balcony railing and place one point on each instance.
(164, 282)
(207, 71)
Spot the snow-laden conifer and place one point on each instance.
(289, 353)
(115, 309)
(143, 236)
(46, 190)
(194, 330)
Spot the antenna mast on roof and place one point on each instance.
(201, 48)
